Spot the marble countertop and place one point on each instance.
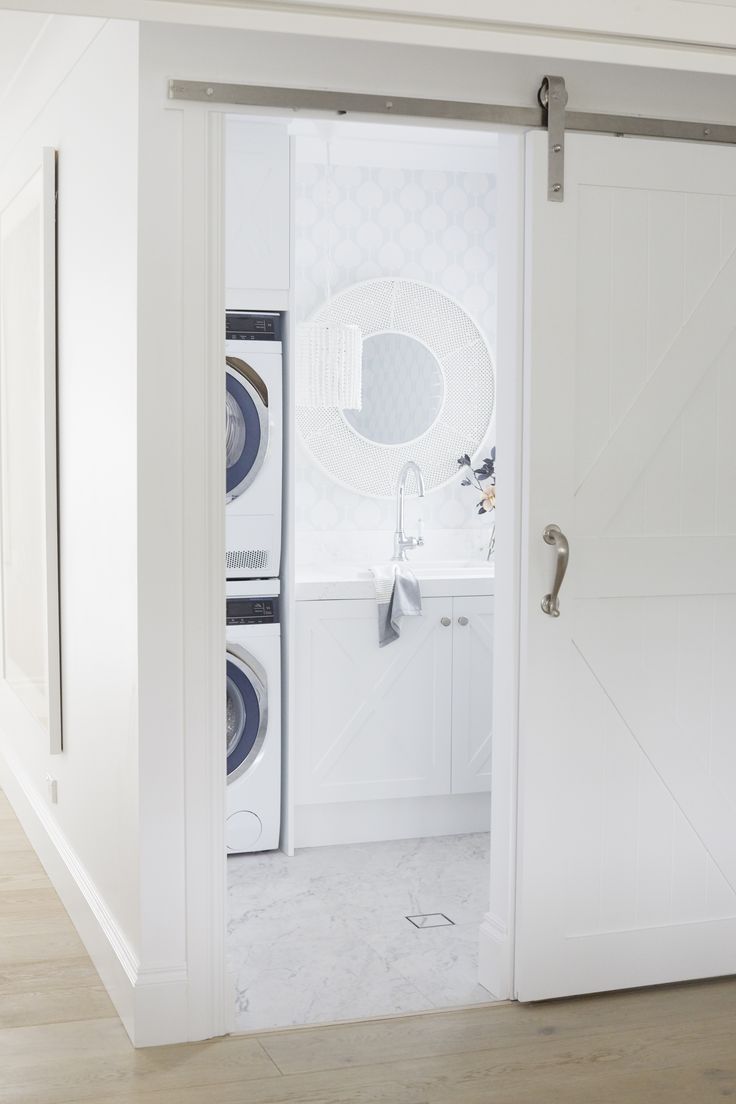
(439, 578)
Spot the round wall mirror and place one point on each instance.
(403, 390)
(428, 388)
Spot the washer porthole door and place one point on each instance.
(247, 714)
(246, 425)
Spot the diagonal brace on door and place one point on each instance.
(553, 98)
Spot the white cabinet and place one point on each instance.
(371, 722)
(408, 720)
(256, 214)
(472, 693)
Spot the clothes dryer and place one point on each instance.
(253, 442)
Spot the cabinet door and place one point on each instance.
(256, 211)
(472, 694)
(371, 722)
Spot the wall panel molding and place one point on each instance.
(56, 51)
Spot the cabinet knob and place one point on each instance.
(445, 621)
(462, 620)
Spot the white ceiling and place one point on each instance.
(18, 33)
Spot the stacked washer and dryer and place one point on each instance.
(254, 437)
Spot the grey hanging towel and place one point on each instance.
(397, 595)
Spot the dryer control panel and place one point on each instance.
(253, 326)
(252, 611)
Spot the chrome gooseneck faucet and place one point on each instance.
(401, 541)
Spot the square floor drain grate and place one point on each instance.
(431, 920)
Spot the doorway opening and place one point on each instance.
(359, 765)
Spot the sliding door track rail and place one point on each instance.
(551, 114)
(358, 103)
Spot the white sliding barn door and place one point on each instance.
(627, 818)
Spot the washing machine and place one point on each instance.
(253, 742)
(253, 441)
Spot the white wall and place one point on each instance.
(459, 69)
(139, 540)
(91, 116)
(409, 202)
(180, 400)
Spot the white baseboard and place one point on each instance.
(495, 966)
(161, 1007)
(394, 818)
(152, 1003)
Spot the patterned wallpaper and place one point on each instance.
(370, 219)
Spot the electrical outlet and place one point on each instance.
(53, 789)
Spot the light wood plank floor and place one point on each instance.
(60, 1040)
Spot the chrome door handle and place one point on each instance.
(462, 620)
(445, 622)
(553, 535)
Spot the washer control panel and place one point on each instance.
(252, 611)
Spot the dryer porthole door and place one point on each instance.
(246, 425)
(247, 713)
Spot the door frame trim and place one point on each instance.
(209, 988)
(497, 931)
(203, 579)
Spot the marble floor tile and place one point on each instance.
(317, 981)
(441, 962)
(324, 935)
(307, 913)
